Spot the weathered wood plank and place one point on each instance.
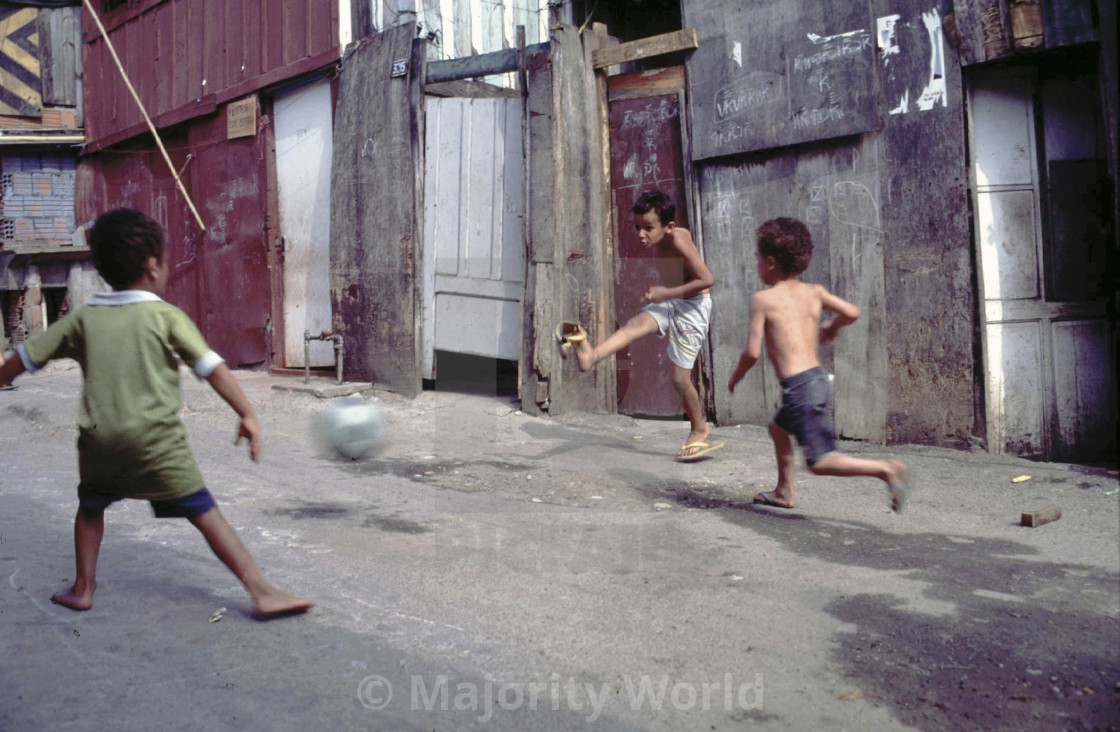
(644, 83)
(579, 248)
(469, 89)
(60, 44)
(374, 227)
(485, 64)
(682, 40)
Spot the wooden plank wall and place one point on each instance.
(888, 211)
(582, 270)
(538, 356)
(569, 268)
(378, 158)
(61, 56)
(988, 30)
(187, 57)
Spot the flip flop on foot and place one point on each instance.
(567, 333)
(766, 498)
(702, 449)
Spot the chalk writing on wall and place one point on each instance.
(779, 75)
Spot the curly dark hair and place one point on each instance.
(656, 201)
(788, 241)
(120, 243)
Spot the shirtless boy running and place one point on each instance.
(787, 315)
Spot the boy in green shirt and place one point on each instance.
(131, 442)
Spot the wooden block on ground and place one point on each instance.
(1042, 516)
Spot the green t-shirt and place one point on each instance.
(131, 441)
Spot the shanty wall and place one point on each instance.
(802, 116)
(188, 57)
(188, 60)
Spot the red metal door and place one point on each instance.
(230, 191)
(646, 152)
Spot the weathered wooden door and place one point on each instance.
(1038, 176)
(473, 250)
(646, 153)
(303, 180)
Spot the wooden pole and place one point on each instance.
(143, 111)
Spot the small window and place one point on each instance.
(110, 5)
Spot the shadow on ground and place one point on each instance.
(1031, 644)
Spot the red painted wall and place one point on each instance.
(220, 276)
(185, 58)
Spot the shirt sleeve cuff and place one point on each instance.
(206, 365)
(28, 365)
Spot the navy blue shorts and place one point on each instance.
(195, 504)
(805, 415)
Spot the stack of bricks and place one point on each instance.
(37, 201)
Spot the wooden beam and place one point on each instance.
(646, 83)
(484, 64)
(472, 89)
(682, 40)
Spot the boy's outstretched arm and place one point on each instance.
(756, 325)
(10, 369)
(223, 382)
(845, 313)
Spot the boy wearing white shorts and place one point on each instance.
(680, 307)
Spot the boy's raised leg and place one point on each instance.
(891, 472)
(640, 325)
(267, 600)
(89, 528)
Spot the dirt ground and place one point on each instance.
(504, 553)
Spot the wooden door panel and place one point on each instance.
(1085, 412)
(474, 249)
(646, 153)
(1016, 388)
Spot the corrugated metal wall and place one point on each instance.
(187, 57)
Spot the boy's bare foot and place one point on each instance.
(278, 604)
(73, 599)
(897, 486)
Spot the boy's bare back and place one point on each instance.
(788, 315)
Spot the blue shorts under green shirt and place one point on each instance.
(187, 507)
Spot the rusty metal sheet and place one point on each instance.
(229, 189)
(645, 142)
(187, 56)
(219, 278)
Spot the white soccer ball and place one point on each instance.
(353, 427)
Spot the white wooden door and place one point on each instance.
(1050, 378)
(473, 253)
(303, 179)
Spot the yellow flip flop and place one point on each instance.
(705, 448)
(567, 333)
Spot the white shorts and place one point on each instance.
(686, 322)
